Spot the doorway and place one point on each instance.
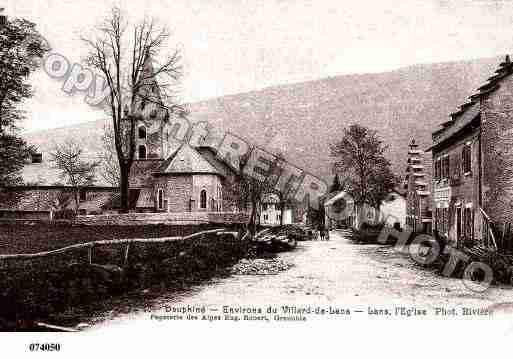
(458, 223)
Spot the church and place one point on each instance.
(169, 175)
(166, 175)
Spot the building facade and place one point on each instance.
(473, 161)
(340, 211)
(166, 175)
(271, 213)
(417, 192)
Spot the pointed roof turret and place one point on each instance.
(147, 67)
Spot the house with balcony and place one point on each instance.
(416, 187)
(473, 167)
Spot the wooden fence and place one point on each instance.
(126, 242)
(498, 236)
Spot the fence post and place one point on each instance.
(125, 260)
(90, 254)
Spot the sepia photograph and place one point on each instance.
(241, 177)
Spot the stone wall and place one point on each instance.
(177, 191)
(497, 153)
(164, 218)
(212, 185)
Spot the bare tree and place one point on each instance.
(251, 191)
(120, 52)
(284, 193)
(75, 171)
(109, 164)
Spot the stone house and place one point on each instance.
(473, 182)
(191, 179)
(270, 212)
(44, 202)
(340, 211)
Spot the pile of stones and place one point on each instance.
(260, 266)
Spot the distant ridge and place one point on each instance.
(302, 119)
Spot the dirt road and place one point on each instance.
(339, 272)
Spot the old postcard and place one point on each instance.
(242, 177)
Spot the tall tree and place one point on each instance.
(13, 156)
(247, 191)
(361, 155)
(284, 194)
(75, 170)
(120, 52)
(21, 49)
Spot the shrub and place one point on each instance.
(49, 286)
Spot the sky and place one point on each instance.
(232, 46)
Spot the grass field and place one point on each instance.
(39, 236)
(66, 288)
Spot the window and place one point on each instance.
(143, 104)
(266, 217)
(438, 168)
(467, 158)
(83, 195)
(445, 220)
(142, 132)
(142, 152)
(37, 157)
(264, 206)
(203, 199)
(445, 168)
(160, 199)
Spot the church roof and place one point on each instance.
(210, 155)
(188, 160)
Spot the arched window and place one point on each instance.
(142, 132)
(142, 152)
(203, 199)
(160, 199)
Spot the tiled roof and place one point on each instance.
(463, 120)
(471, 110)
(187, 159)
(34, 199)
(209, 154)
(46, 198)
